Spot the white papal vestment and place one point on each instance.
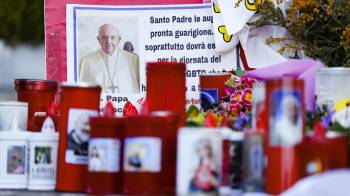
(118, 72)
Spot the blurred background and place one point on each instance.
(22, 49)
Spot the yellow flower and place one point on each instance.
(341, 104)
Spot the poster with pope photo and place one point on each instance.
(108, 53)
(110, 46)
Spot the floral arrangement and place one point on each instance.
(334, 118)
(233, 109)
(319, 28)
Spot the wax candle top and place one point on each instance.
(80, 85)
(171, 66)
(34, 84)
(215, 74)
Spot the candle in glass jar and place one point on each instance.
(39, 94)
(212, 88)
(150, 154)
(285, 130)
(105, 156)
(78, 103)
(166, 88)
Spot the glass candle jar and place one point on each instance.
(39, 94)
(78, 103)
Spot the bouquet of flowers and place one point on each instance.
(334, 118)
(233, 109)
(319, 29)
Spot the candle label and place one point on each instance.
(78, 135)
(286, 117)
(253, 162)
(236, 158)
(43, 166)
(142, 154)
(199, 161)
(104, 155)
(208, 97)
(16, 160)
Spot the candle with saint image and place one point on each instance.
(78, 103)
(285, 108)
(105, 155)
(149, 154)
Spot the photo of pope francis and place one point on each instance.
(114, 69)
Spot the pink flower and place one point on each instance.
(235, 108)
(224, 105)
(248, 82)
(236, 96)
(228, 91)
(246, 97)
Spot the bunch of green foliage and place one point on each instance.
(22, 21)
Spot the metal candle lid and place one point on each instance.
(13, 103)
(333, 70)
(167, 116)
(35, 84)
(215, 74)
(80, 85)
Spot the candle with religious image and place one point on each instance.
(14, 157)
(105, 156)
(236, 160)
(285, 108)
(166, 88)
(39, 94)
(149, 154)
(78, 102)
(253, 161)
(199, 161)
(212, 88)
(43, 147)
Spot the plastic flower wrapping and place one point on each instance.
(233, 109)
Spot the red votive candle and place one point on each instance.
(285, 131)
(39, 94)
(170, 131)
(212, 87)
(78, 103)
(166, 88)
(149, 159)
(105, 156)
